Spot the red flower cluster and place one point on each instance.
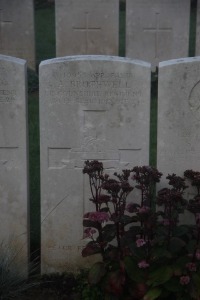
(97, 216)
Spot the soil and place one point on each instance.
(53, 287)
(47, 294)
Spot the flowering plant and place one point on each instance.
(146, 252)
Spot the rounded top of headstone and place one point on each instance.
(179, 61)
(96, 58)
(12, 59)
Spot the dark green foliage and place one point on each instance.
(64, 283)
(146, 253)
(43, 3)
(33, 81)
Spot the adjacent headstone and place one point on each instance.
(13, 163)
(197, 50)
(17, 29)
(157, 30)
(91, 107)
(87, 27)
(179, 117)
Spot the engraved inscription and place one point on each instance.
(94, 130)
(7, 96)
(86, 29)
(3, 23)
(157, 31)
(96, 88)
(66, 248)
(93, 146)
(194, 100)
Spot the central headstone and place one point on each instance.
(157, 30)
(17, 29)
(87, 27)
(13, 165)
(91, 107)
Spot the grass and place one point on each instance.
(34, 160)
(45, 49)
(45, 33)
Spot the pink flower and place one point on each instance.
(166, 222)
(198, 254)
(184, 280)
(103, 198)
(197, 215)
(132, 207)
(191, 267)
(143, 209)
(88, 232)
(143, 264)
(140, 242)
(97, 216)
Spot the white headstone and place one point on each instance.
(179, 117)
(157, 30)
(91, 107)
(17, 29)
(87, 27)
(13, 160)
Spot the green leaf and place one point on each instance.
(88, 223)
(152, 294)
(140, 252)
(191, 245)
(96, 273)
(90, 249)
(128, 219)
(181, 230)
(196, 280)
(133, 271)
(160, 276)
(173, 285)
(160, 252)
(181, 262)
(114, 283)
(176, 244)
(108, 232)
(104, 209)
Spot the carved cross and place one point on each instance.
(157, 30)
(2, 24)
(87, 29)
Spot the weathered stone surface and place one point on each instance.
(13, 162)
(157, 30)
(87, 27)
(91, 107)
(17, 30)
(179, 117)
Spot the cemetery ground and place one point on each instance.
(58, 286)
